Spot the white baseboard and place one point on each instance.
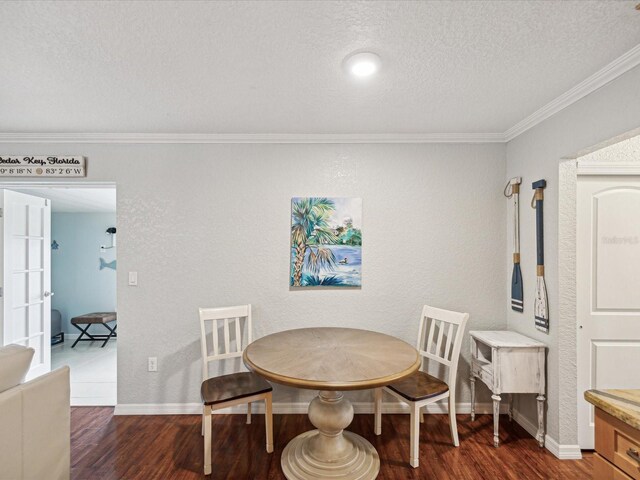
(290, 408)
(158, 409)
(563, 452)
(92, 401)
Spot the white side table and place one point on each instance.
(508, 362)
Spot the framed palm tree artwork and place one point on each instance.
(326, 242)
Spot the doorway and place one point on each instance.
(607, 286)
(82, 245)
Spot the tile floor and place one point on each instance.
(93, 371)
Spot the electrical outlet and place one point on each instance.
(153, 364)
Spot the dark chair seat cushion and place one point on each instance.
(96, 317)
(419, 386)
(233, 386)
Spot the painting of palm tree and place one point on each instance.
(326, 242)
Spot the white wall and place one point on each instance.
(610, 111)
(80, 286)
(207, 225)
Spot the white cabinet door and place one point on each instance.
(25, 316)
(608, 290)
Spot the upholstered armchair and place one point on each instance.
(34, 419)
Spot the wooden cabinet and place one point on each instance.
(603, 470)
(617, 449)
(508, 363)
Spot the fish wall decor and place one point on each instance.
(104, 264)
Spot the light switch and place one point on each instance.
(133, 278)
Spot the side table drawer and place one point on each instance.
(603, 470)
(483, 374)
(618, 443)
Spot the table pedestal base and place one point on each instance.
(328, 452)
(298, 463)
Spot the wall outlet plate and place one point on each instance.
(153, 364)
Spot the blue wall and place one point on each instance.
(79, 285)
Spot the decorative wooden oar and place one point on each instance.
(513, 191)
(541, 307)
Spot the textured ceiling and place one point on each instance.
(275, 67)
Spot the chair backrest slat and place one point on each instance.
(447, 349)
(214, 335)
(238, 335)
(216, 318)
(448, 353)
(431, 331)
(440, 337)
(226, 335)
(421, 334)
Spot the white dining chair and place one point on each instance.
(442, 345)
(228, 326)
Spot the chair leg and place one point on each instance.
(414, 455)
(249, 413)
(377, 411)
(422, 415)
(82, 333)
(452, 421)
(268, 421)
(206, 416)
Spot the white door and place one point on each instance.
(25, 316)
(608, 289)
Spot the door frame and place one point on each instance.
(9, 184)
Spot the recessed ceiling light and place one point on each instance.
(363, 64)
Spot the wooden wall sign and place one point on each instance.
(42, 166)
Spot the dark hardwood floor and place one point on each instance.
(170, 447)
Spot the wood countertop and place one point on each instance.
(622, 404)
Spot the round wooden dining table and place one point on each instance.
(331, 360)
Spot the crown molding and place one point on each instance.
(261, 138)
(619, 66)
(613, 70)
